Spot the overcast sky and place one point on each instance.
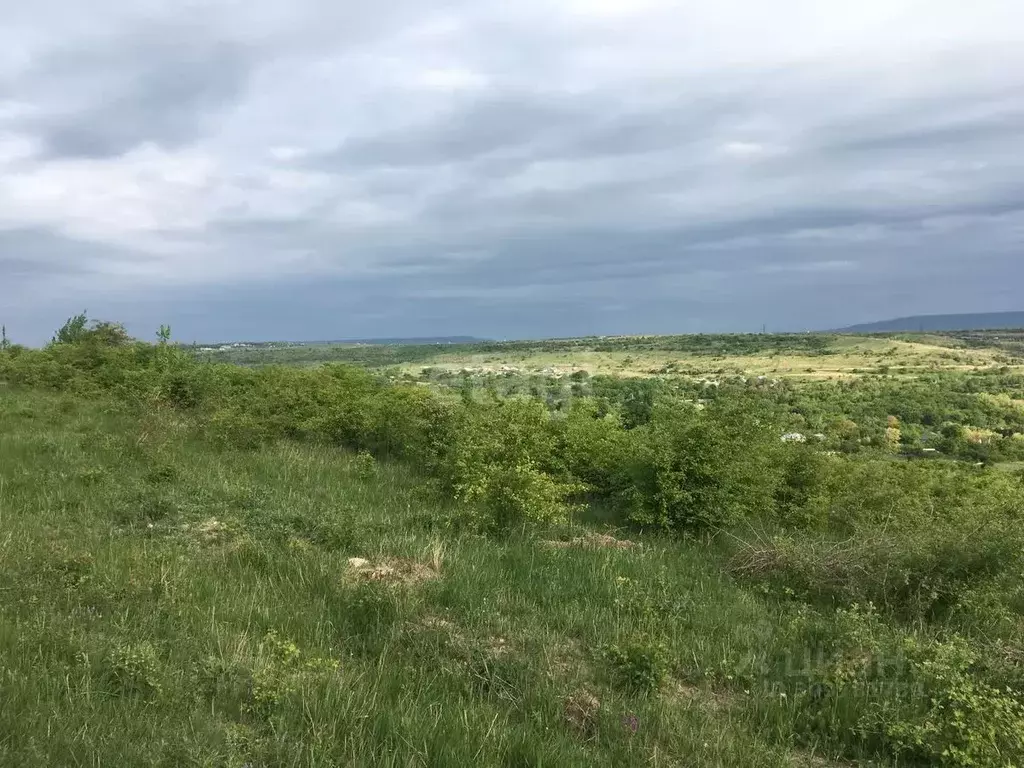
(319, 169)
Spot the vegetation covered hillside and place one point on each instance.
(962, 322)
(209, 564)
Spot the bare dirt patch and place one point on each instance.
(208, 531)
(497, 646)
(493, 646)
(568, 661)
(594, 541)
(392, 571)
(450, 631)
(713, 701)
(438, 624)
(807, 760)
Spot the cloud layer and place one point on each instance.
(310, 170)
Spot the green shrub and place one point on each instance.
(594, 448)
(500, 463)
(697, 468)
(365, 465)
(279, 673)
(640, 667)
(960, 720)
(411, 423)
(136, 669)
(801, 497)
(644, 446)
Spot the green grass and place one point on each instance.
(177, 584)
(141, 572)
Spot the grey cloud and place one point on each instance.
(161, 87)
(42, 276)
(574, 170)
(957, 122)
(37, 252)
(536, 126)
(927, 138)
(481, 127)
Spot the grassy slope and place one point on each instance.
(140, 572)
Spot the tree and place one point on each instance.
(108, 334)
(5, 344)
(73, 330)
(78, 330)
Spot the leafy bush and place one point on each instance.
(699, 468)
(594, 448)
(281, 669)
(640, 667)
(801, 497)
(499, 463)
(649, 447)
(960, 720)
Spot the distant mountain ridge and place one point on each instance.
(983, 321)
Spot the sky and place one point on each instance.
(314, 169)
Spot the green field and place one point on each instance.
(215, 565)
(797, 356)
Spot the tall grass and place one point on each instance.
(169, 603)
(211, 565)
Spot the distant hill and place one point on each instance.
(968, 322)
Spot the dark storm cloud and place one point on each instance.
(41, 276)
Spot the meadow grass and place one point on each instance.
(163, 602)
(848, 356)
(194, 571)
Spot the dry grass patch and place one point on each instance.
(580, 710)
(705, 698)
(437, 624)
(400, 570)
(393, 571)
(208, 531)
(593, 541)
(567, 661)
(807, 760)
(491, 646)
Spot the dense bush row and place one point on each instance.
(511, 459)
(669, 457)
(976, 416)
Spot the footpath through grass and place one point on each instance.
(165, 603)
